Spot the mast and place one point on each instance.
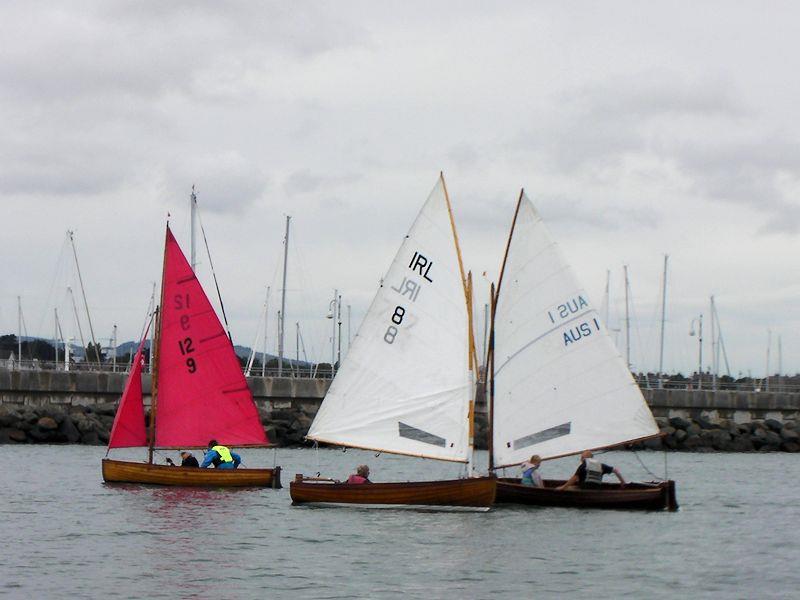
(472, 359)
(19, 332)
(473, 391)
(663, 318)
(283, 297)
(83, 293)
(332, 316)
(192, 219)
(490, 377)
(151, 442)
(461, 270)
(266, 319)
(493, 295)
(627, 320)
(607, 310)
(713, 345)
(152, 331)
(77, 319)
(339, 319)
(55, 336)
(114, 350)
(766, 371)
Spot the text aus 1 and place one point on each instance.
(565, 311)
(409, 288)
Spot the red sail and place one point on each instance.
(202, 393)
(128, 429)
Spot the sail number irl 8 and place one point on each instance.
(397, 319)
(186, 345)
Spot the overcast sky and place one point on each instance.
(638, 129)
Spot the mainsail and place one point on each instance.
(201, 391)
(560, 385)
(406, 384)
(128, 430)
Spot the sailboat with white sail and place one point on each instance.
(407, 385)
(558, 385)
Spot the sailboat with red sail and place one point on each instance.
(198, 391)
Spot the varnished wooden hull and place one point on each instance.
(640, 496)
(118, 471)
(476, 492)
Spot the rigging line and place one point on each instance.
(644, 466)
(214, 274)
(59, 264)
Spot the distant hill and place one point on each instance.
(77, 352)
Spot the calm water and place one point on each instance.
(66, 534)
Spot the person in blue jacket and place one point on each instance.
(221, 457)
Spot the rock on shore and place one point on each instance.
(20, 424)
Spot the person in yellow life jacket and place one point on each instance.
(221, 457)
(590, 473)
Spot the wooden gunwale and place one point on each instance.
(119, 471)
(474, 492)
(640, 496)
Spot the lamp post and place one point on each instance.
(339, 322)
(699, 334)
(332, 316)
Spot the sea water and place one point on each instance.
(66, 534)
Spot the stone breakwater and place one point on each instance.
(76, 424)
(701, 435)
(91, 425)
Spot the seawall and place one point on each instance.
(86, 402)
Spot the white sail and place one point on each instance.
(560, 385)
(405, 386)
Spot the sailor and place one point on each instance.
(361, 475)
(187, 460)
(590, 473)
(530, 472)
(220, 456)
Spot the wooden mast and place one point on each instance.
(494, 294)
(472, 358)
(151, 442)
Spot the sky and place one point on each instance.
(638, 130)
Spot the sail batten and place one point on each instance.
(408, 368)
(560, 385)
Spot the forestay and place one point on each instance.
(560, 384)
(405, 386)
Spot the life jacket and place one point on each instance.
(594, 471)
(224, 455)
(357, 479)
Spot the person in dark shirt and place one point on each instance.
(187, 460)
(590, 473)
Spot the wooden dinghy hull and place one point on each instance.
(476, 492)
(119, 471)
(636, 496)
